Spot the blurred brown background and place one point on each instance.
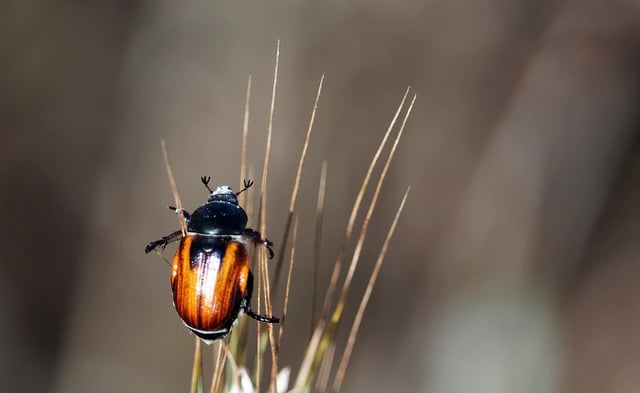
(515, 267)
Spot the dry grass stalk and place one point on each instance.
(245, 141)
(218, 368)
(321, 349)
(296, 186)
(292, 255)
(318, 242)
(196, 373)
(322, 338)
(356, 207)
(363, 232)
(262, 261)
(174, 188)
(344, 362)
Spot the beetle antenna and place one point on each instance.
(247, 185)
(205, 180)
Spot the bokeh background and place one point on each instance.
(515, 267)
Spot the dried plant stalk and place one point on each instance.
(245, 141)
(196, 373)
(317, 244)
(344, 362)
(322, 339)
(354, 211)
(174, 188)
(296, 186)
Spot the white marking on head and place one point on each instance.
(222, 190)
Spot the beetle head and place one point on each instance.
(223, 194)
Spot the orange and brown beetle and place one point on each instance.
(210, 276)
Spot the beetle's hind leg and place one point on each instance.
(261, 318)
(163, 242)
(256, 237)
(247, 308)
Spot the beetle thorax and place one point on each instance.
(218, 217)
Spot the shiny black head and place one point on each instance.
(221, 215)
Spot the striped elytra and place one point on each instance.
(209, 280)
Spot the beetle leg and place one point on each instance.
(185, 213)
(247, 307)
(163, 242)
(260, 318)
(256, 237)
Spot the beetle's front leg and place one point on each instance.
(185, 213)
(256, 237)
(172, 237)
(163, 242)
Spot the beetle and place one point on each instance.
(210, 277)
